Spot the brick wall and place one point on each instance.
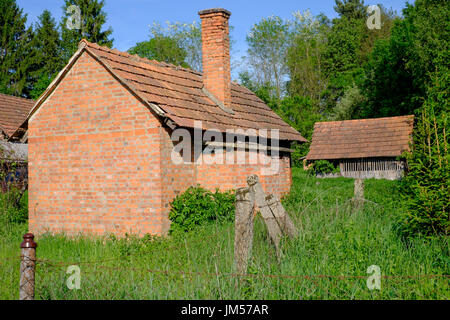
(94, 158)
(232, 176)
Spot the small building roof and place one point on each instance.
(178, 94)
(364, 138)
(13, 151)
(13, 112)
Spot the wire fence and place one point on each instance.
(328, 284)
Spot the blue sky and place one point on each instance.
(130, 19)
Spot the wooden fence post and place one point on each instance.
(358, 198)
(27, 267)
(273, 228)
(243, 235)
(282, 217)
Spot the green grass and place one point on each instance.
(334, 240)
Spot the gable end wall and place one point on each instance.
(94, 158)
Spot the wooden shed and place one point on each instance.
(365, 148)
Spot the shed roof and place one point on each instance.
(364, 138)
(13, 151)
(178, 94)
(13, 112)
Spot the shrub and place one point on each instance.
(197, 206)
(14, 206)
(324, 166)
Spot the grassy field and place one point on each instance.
(328, 260)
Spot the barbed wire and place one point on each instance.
(250, 275)
(61, 264)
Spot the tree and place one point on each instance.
(400, 68)
(426, 187)
(47, 48)
(389, 85)
(350, 9)
(305, 55)
(268, 41)
(92, 19)
(15, 50)
(161, 48)
(178, 43)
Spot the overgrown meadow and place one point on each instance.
(328, 260)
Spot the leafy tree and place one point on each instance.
(343, 61)
(389, 84)
(91, 24)
(350, 105)
(399, 68)
(264, 91)
(161, 48)
(306, 54)
(16, 56)
(268, 41)
(301, 113)
(177, 43)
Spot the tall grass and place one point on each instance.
(328, 260)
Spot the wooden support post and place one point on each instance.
(243, 236)
(282, 217)
(27, 267)
(358, 199)
(273, 228)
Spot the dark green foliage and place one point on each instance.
(399, 68)
(426, 187)
(301, 113)
(161, 48)
(40, 85)
(324, 166)
(46, 46)
(14, 206)
(197, 206)
(16, 56)
(93, 19)
(351, 9)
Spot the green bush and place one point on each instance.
(324, 166)
(14, 206)
(197, 206)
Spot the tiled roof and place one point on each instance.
(179, 93)
(13, 151)
(13, 112)
(365, 138)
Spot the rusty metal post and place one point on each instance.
(27, 267)
(243, 237)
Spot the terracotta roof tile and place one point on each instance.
(364, 138)
(13, 112)
(179, 93)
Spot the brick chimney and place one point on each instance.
(216, 53)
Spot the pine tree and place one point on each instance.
(92, 20)
(47, 54)
(351, 9)
(15, 49)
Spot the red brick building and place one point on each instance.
(101, 137)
